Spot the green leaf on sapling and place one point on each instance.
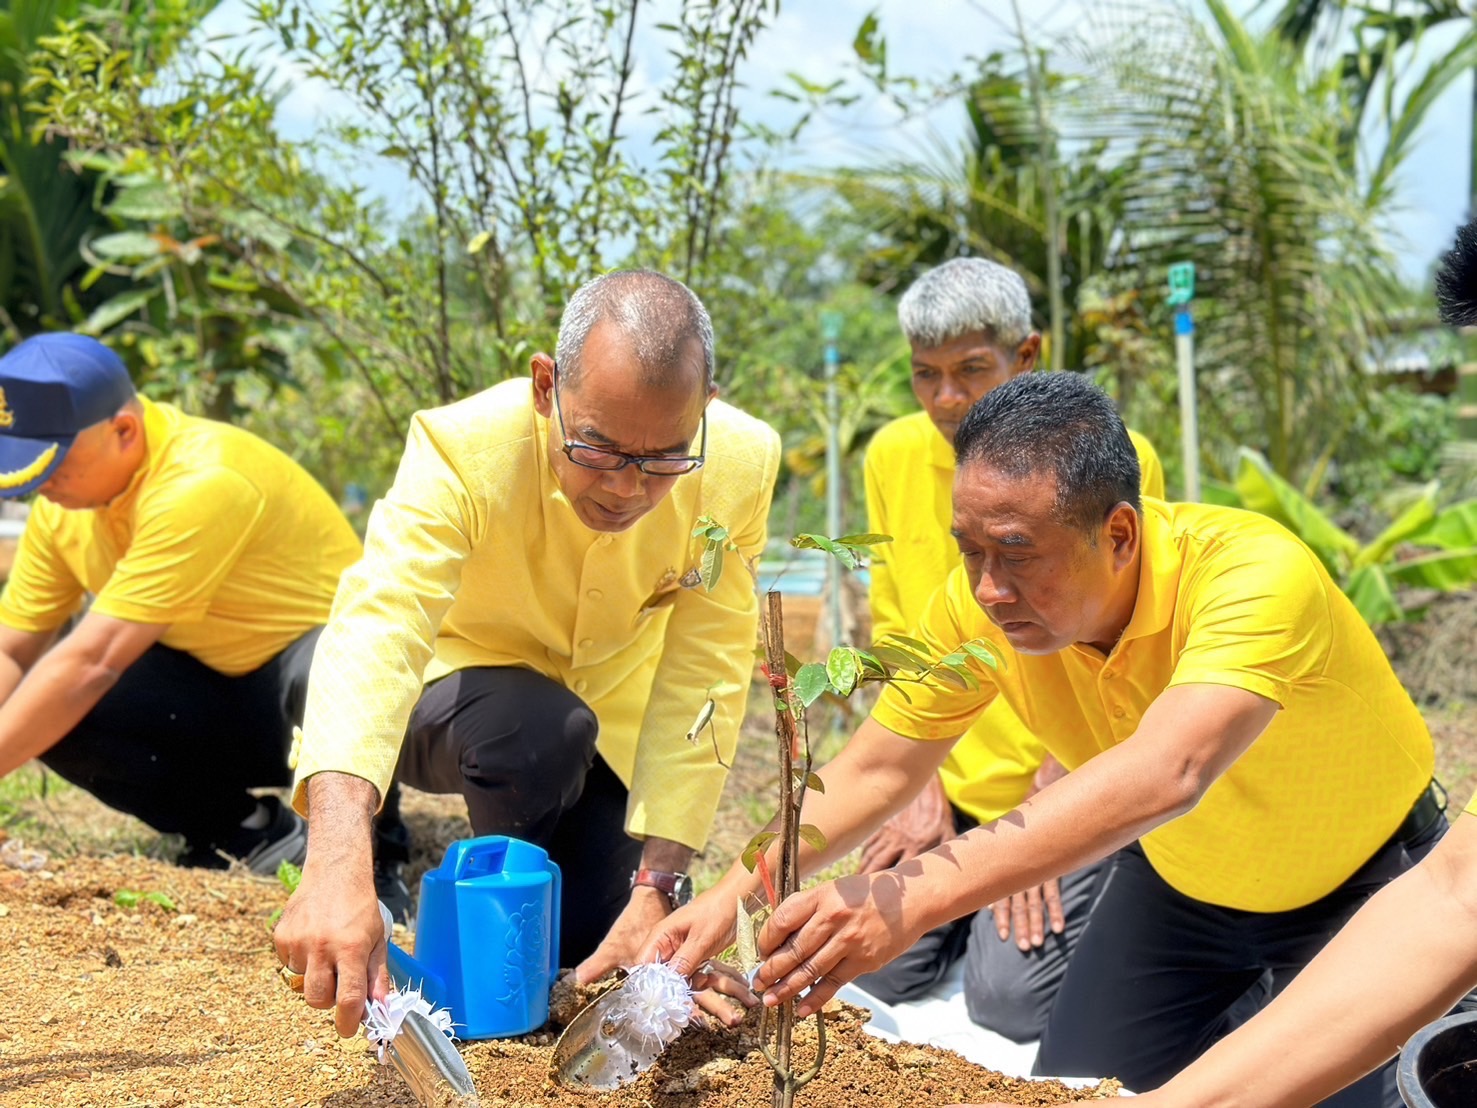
(905, 641)
(951, 677)
(811, 682)
(898, 658)
(759, 843)
(983, 653)
(846, 556)
(843, 670)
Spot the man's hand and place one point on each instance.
(691, 935)
(1028, 914)
(630, 939)
(622, 944)
(60, 687)
(689, 938)
(331, 931)
(823, 937)
(922, 825)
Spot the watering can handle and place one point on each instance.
(467, 855)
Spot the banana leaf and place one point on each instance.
(1370, 590)
(1408, 523)
(1447, 571)
(1263, 491)
(1454, 528)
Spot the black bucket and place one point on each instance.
(1438, 1067)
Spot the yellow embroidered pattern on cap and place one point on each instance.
(7, 417)
(18, 477)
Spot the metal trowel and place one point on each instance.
(427, 1060)
(594, 1052)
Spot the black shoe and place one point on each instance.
(283, 839)
(392, 891)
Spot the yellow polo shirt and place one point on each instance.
(910, 480)
(475, 557)
(1225, 597)
(219, 534)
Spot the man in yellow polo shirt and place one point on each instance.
(1403, 960)
(968, 323)
(1231, 725)
(211, 559)
(535, 565)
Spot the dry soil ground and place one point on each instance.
(177, 1004)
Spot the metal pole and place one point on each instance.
(1181, 292)
(831, 329)
(1184, 349)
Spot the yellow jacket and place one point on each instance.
(909, 481)
(475, 558)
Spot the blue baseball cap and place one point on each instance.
(51, 387)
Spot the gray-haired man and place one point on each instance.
(533, 565)
(969, 325)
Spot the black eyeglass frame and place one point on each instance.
(573, 449)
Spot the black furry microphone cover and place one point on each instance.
(1456, 280)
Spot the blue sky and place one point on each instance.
(933, 38)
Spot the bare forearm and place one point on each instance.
(341, 811)
(665, 855)
(1106, 804)
(42, 709)
(1401, 962)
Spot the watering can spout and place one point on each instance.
(407, 973)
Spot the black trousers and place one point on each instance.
(1156, 975)
(520, 749)
(178, 744)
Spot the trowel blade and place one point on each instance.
(595, 1053)
(431, 1066)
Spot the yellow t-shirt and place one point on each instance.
(476, 558)
(909, 481)
(219, 534)
(1225, 597)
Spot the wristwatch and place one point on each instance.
(677, 886)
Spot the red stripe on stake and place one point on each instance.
(763, 866)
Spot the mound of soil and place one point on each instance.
(174, 1001)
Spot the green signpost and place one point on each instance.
(1181, 293)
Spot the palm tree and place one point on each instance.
(986, 197)
(1235, 155)
(1380, 38)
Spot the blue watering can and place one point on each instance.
(486, 937)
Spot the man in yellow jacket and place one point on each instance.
(968, 322)
(529, 619)
(1232, 727)
(211, 559)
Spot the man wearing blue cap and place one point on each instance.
(211, 560)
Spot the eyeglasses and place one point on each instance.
(654, 465)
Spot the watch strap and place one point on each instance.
(659, 879)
